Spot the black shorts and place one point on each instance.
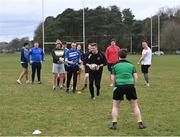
(109, 66)
(144, 68)
(128, 90)
(24, 65)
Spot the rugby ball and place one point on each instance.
(61, 59)
(93, 66)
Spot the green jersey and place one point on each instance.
(123, 71)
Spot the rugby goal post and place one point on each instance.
(159, 36)
(53, 43)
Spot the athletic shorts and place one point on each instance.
(128, 90)
(58, 68)
(144, 68)
(109, 66)
(24, 65)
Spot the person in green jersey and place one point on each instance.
(124, 79)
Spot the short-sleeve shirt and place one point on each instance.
(123, 71)
(147, 56)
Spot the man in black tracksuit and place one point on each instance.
(95, 61)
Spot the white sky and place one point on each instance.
(19, 18)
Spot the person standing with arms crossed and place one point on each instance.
(72, 58)
(124, 79)
(95, 62)
(24, 63)
(145, 61)
(112, 57)
(36, 56)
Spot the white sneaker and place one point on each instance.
(93, 98)
(18, 81)
(111, 85)
(54, 87)
(61, 86)
(146, 84)
(28, 82)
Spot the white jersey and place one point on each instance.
(147, 56)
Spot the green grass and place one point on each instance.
(24, 108)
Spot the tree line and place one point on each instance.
(103, 24)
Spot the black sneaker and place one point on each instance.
(141, 125)
(113, 126)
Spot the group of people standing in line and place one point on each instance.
(68, 63)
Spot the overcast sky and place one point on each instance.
(19, 18)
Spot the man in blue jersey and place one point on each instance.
(24, 63)
(36, 56)
(72, 58)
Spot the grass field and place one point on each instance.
(25, 108)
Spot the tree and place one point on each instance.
(170, 36)
(103, 24)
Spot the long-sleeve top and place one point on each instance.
(36, 55)
(98, 59)
(56, 54)
(112, 54)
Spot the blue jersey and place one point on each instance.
(24, 55)
(36, 54)
(73, 55)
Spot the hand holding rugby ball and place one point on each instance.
(61, 60)
(93, 67)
